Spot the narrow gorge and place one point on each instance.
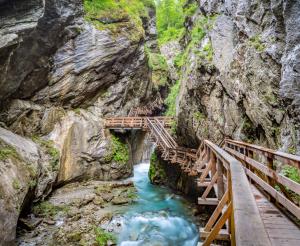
(183, 70)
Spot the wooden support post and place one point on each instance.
(218, 226)
(220, 182)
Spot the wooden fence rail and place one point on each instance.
(260, 165)
(235, 200)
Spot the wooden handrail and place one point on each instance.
(266, 175)
(237, 202)
(288, 159)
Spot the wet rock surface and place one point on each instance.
(71, 214)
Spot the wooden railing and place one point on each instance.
(135, 122)
(147, 109)
(236, 208)
(262, 165)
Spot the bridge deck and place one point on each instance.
(281, 230)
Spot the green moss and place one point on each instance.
(292, 150)
(47, 209)
(156, 61)
(131, 193)
(249, 130)
(48, 146)
(199, 30)
(32, 184)
(170, 101)
(152, 171)
(156, 172)
(198, 116)
(208, 51)
(7, 152)
(77, 111)
(119, 152)
(256, 43)
(129, 12)
(102, 237)
(74, 236)
(16, 184)
(271, 98)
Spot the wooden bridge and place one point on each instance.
(254, 203)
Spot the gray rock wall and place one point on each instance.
(249, 90)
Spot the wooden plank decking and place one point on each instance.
(281, 230)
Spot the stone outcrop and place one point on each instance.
(247, 90)
(31, 32)
(26, 175)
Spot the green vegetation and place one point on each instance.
(77, 111)
(201, 27)
(256, 43)
(249, 130)
(119, 152)
(208, 52)
(102, 237)
(48, 146)
(157, 63)
(169, 20)
(47, 209)
(292, 150)
(171, 99)
(8, 152)
(198, 116)
(190, 9)
(32, 184)
(114, 14)
(131, 193)
(16, 184)
(156, 172)
(292, 173)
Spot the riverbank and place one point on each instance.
(129, 212)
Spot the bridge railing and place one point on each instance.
(263, 165)
(135, 122)
(235, 200)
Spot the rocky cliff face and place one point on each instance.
(240, 75)
(60, 76)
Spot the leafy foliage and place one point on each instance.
(120, 152)
(102, 237)
(170, 19)
(292, 173)
(171, 99)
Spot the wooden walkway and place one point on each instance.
(243, 214)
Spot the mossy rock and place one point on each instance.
(157, 174)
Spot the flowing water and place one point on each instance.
(158, 218)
